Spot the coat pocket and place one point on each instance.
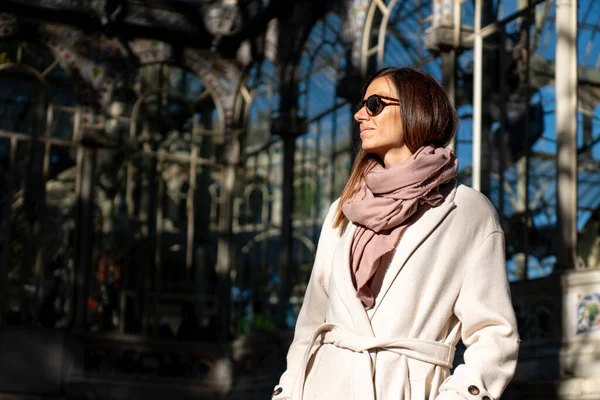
(331, 374)
(417, 389)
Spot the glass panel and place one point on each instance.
(529, 180)
(433, 68)
(262, 85)
(258, 241)
(464, 135)
(59, 241)
(506, 8)
(588, 180)
(185, 83)
(588, 41)
(467, 14)
(257, 209)
(22, 277)
(35, 227)
(23, 102)
(328, 136)
(155, 263)
(63, 124)
(405, 34)
(63, 93)
(37, 56)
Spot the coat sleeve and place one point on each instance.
(488, 327)
(314, 306)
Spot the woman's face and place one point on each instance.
(382, 134)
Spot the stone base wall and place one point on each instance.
(559, 324)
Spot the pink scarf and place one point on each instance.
(384, 203)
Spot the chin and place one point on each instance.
(371, 150)
(368, 146)
(367, 149)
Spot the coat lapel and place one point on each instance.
(413, 237)
(343, 284)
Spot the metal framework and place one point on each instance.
(460, 42)
(170, 189)
(42, 132)
(256, 212)
(321, 160)
(146, 186)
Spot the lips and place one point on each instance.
(365, 131)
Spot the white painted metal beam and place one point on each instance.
(477, 93)
(566, 131)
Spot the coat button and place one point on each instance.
(474, 390)
(277, 391)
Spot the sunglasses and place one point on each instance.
(375, 104)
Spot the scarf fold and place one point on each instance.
(381, 208)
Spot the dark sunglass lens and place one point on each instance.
(374, 105)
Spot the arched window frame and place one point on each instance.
(39, 243)
(140, 141)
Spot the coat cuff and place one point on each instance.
(278, 394)
(465, 388)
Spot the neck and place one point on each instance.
(396, 156)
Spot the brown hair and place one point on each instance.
(427, 118)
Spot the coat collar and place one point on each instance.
(413, 237)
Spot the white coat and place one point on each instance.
(446, 281)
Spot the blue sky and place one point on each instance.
(323, 64)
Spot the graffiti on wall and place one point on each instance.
(588, 313)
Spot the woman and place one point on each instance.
(408, 263)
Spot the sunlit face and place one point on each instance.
(382, 134)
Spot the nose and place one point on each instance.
(361, 115)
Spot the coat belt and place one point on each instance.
(428, 351)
